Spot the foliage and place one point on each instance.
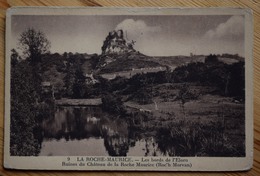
(14, 57)
(23, 111)
(113, 104)
(27, 99)
(236, 84)
(228, 79)
(75, 83)
(211, 59)
(34, 44)
(143, 96)
(94, 61)
(79, 85)
(192, 72)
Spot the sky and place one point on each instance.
(154, 35)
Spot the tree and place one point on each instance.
(23, 141)
(34, 44)
(14, 57)
(113, 104)
(69, 79)
(79, 85)
(26, 94)
(236, 86)
(211, 59)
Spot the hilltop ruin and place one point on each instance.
(115, 43)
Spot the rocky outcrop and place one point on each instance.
(118, 54)
(115, 43)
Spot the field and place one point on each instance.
(210, 125)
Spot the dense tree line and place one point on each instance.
(23, 111)
(228, 80)
(28, 105)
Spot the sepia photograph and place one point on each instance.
(132, 85)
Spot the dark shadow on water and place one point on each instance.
(77, 123)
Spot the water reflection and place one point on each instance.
(73, 123)
(89, 131)
(77, 131)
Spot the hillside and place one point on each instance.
(119, 55)
(175, 61)
(125, 62)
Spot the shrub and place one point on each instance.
(113, 104)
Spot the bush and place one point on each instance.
(113, 104)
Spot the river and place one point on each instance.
(88, 131)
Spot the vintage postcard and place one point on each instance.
(147, 89)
